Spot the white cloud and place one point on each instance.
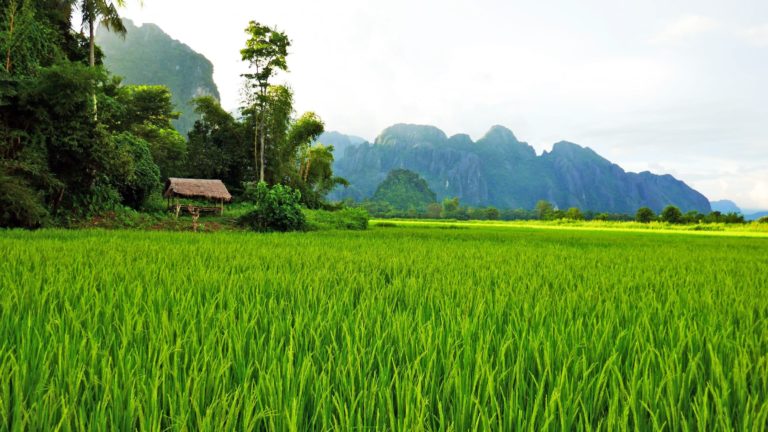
(685, 28)
(757, 35)
(759, 193)
(548, 70)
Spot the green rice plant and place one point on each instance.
(404, 328)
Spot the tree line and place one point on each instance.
(75, 141)
(451, 208)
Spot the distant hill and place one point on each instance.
(728, 206)
(404, 190)
(756, 215)
(339, 141)
(149, 56)
(501, 171)
(725, 206)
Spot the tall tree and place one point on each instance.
(265, 50)
(217, 145)
(103, 12)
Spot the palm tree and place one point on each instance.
(102, 12)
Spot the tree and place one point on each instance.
(517, 214)
(492, 213)
(692, 216)
(281, 154)
(102, 12)
(168, 148)
(733, 217)
(51, 110)
(574, 213)
(217, 146)
(645, 215)
(671, 214)
(141, 174)
(450, 207)
(318, 179)
(302, 133)
(265, 50)
(433, 210)
(147, 112)
(544, 210)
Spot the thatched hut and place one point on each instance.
(209, 190)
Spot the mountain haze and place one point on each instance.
(339, 141)
(502, 171)
(148, 55)
(725, 206)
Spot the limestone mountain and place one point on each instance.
(339, 141)
(148, 55)
(501, 171)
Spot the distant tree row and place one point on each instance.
(673, 215)
(450, 208)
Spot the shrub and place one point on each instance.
(345, 219)
(20, 205)
(763, 220)
(645, 215)
(274, 209)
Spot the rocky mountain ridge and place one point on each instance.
(502, 171)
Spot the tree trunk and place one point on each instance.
(91, 44)
(12, 12)
(256, 133)
(92, 62)
(307, 168)
(261, 172)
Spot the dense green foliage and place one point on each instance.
(399, 329)
(404, 190)
(501, 171)
(76, 143)
(276, 208)
(141, 174)
(217, 146)
(61, 157)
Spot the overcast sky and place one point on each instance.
(672, 87)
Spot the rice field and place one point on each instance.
(400, 328)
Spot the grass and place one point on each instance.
(752, 229)
(399, 328)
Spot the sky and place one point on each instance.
(671, 87)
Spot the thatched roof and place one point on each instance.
(196, 188)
